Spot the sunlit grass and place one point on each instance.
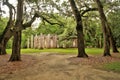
(94, 51)
(91, 51)
(64, 51)
(114, 66)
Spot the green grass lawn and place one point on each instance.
(93, 51)
(114, 66)
(63, 51)
(89, 51)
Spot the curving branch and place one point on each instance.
(10, 21)
(48, 21)
(7, 34)
(38, 15)
(29, 23)
(11, 7)
(89, 9)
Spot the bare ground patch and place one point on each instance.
(56, 67)
(9, 67)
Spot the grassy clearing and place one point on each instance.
(114, 66)
(63, 51)
(93, 51)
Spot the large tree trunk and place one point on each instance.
(16, 47)
(17, 35)
(4, 38)
(113, 44)
(112, 41)
(106, 34)
(7, 34)
(3, 43)
(3, 47)
(106, 44)
(79, 28)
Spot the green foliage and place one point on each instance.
(9, 44)
(32, 1)
(92, 28)
(3, 23)
(69, 33)
(27, 34)
(92, 31)
(65, 43)
(49, 29)
(70, 28)
(44, 28)
(114, 20)
(24, 41)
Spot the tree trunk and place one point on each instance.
(3, 47)
(17, 35)
(106, 34)
(16, 47)
(79, 28)
(80, 42)
(7, 34)
(4, 38)
(112, 41)
(106, 45)
(113, 44)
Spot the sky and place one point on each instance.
(5, 8)
(14, 3)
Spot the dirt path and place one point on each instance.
(59, 67)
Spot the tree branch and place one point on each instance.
(89, 9)
(48, 21)
(10, 23)
(10, 6)
(37, 15)
(29, 23)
